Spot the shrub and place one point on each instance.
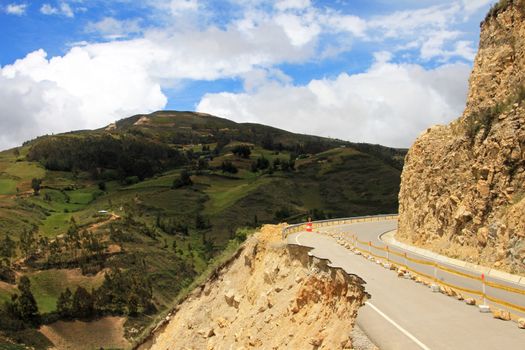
(183, 180)
(228, 167)
(242, 151)
(497, 8)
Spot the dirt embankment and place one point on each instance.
(273, 296)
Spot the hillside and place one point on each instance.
(134, 212)
(462, 190)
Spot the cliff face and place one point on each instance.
(271, 297)
(462, 189)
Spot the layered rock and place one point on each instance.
(462, 190)
(272, 296)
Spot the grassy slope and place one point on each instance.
(341, 182)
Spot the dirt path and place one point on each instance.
(96, 225)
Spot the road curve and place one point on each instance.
(402, 314)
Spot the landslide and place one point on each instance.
(462, 191)
(272, 296)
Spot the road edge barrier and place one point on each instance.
(389, 238)
(316, 225)
(481, 295)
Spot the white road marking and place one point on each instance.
(297, 238)
(404, 331)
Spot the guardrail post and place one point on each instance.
(435, 272)
(406, 260)
(484, 289)
(387, 254)
(370, 247)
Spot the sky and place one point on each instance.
(375, 71)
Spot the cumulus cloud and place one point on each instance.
(63, 9)
(95, 83)
(16, 9)
(471, 6)
(388, 104)
(79, 90)
(112, 28)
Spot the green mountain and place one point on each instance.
(133, 212)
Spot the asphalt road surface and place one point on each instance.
(402, 314)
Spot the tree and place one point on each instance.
(201, 223)
(82, 303)
(282, 214)
(202, 164)
(254, 167)
(7, 248)
(25, 303)
(267, 142)
(27, 241)
(65, 303)
(228, 167)
(263, 163)
(36, 185)
(242, 151)
(183, 180)
(102, 186)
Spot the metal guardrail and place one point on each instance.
(481, 294)
(333, 222)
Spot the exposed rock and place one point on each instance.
(317, 340)
(521, 323)
(470, 301)
(206, 332)
(271, 297)
(501, 314)
(462, 188)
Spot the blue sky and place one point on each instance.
(370, 71)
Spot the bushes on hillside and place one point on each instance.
(228, 167)
(242, 151)
(122, 292)
(183, 180)
(129, 155)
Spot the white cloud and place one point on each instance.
(178, 7)
(300, 29)
(76, 91)
(388, 104)
(47, 9)
(16, 9)
(345, 23)
(63, 9)
(433, 46)
(471, 6)
(111, 28)
(283, 5)
(412, 22)
(95, 83)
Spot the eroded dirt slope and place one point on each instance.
(273, 296)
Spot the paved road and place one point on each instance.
(402, 314)
(365, 232)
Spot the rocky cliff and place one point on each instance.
(462, 191)
(272, 296)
